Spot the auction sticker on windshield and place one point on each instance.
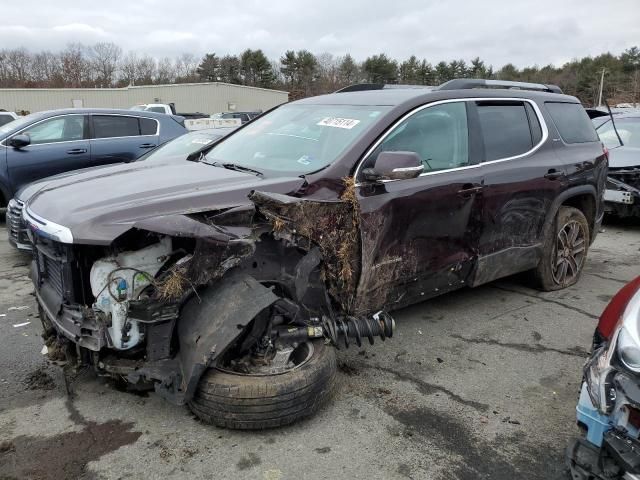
(347, 123)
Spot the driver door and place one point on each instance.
(420, 235)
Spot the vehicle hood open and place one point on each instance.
(99, 206)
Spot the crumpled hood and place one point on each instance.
(623, 157)
(98, 206)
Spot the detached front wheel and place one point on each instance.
(290, 386)
(565, 250)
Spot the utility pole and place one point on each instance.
(601, 86)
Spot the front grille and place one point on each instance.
(63, 269)
(52, 271)
(15, 224)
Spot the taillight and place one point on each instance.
(613, 313)
(605, 151)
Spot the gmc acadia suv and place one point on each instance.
(222, 281)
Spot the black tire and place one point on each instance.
(548, 273)
(253, 402)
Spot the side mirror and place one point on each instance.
(19, 141)
(394, 166)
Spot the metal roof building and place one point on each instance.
(188, 97)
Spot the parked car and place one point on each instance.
(221, 283)
(47, 143)
(173, 151)
(6, 117)
(167, 109)
(243, 116)
(609, 406)
(622, 195)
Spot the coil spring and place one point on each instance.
(380, 325)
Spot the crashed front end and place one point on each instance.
(622, 195)
(609, 405)
(175, 295)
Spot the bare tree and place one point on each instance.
(105, 57)
(76, 71)
(46, 70)
(19, 63)
(165, 71)
(186, 68)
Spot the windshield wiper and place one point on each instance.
(236, 167)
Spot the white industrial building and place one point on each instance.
(188, 97)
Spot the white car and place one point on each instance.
(6, 117)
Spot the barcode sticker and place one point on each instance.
(336, 122)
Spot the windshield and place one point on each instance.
(628, 129)
(296, 138)
(184, 145)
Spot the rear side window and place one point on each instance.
(572, 122)
(505, 129)
(109, 126)
(148, 126)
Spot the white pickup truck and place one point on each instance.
(192, 121)
(6, 117)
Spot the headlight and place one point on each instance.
(628, 350)
(598, 375)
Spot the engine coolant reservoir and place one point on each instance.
(116, 280)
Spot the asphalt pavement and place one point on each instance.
(478, 384)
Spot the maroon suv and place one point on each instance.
(222, 281)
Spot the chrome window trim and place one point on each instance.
(49, 228)
(534, 105)
(44, 120)
(85, 139)
(130, 116)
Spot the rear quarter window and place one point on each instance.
(572, 122)
(148, 126)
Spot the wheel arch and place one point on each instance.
(584, 198)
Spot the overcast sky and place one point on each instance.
(499, 31)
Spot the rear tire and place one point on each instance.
(255, 402)
(565, 250)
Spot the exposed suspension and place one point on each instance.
(380, 325)
(341, 330)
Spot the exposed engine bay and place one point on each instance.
(180, 294)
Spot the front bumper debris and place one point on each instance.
(622, 194)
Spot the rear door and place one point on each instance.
(121, 138)
(58, 144)
(523, 175)
(419, 236)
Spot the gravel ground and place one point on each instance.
(480, 383)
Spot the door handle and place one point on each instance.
(469, 189)
(76, 151)
(553, 174)
(147, 145)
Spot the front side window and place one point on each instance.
(109, 126)
(505, 129)
(628, 129)
(296, 138)
(438, 134)
(58, 129)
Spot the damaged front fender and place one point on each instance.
(209, 323)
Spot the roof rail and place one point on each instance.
(466, 83)
(359, 87)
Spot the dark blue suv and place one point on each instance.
(47, 143)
